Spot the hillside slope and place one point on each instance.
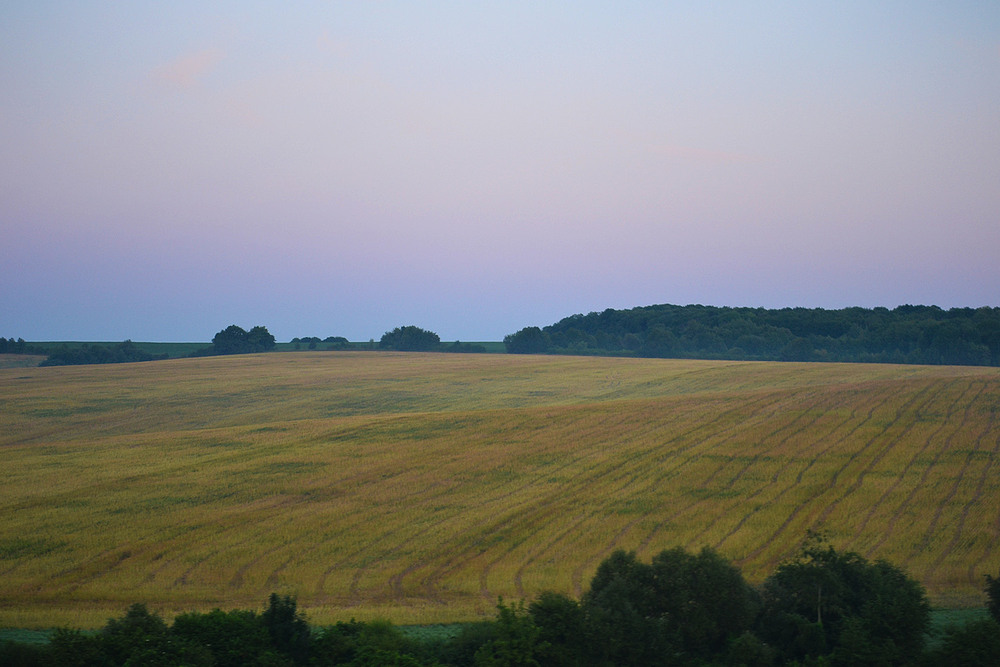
(421, 486)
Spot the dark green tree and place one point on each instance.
(231, 340)
(354, 643)
(517, 642)
(72, 648)
(134, 635)
(236, 340)
(529, 340)
(561, 626)
(461, 649)
(681, 608)
(839, 604)
(410, 339)
(233, 638)
(138, 638)
(259, 339)
(18, 654)
(992, 591)
(287, 627)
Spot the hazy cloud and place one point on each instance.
(702, 154)
(187, 70)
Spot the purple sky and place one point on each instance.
(168, 169)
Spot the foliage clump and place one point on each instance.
(828, 603)
(236, 340)
(409, 339)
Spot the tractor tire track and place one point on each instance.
(832, 482)
(814, 398)
(920, 484)
(471, 542)
(767, 400)
(775, 478)
(929, 572)
(976, 566)
(928, 441)
(659, 527)
(598, 474)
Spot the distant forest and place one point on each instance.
(903, 335)
(906, 335)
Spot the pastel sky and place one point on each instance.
(343, 168)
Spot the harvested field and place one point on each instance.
(419, 487)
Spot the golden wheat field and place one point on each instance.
(419, 487)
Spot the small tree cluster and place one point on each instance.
(409, 339)
(236, 340)
(313, 342)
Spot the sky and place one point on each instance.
(473, 168)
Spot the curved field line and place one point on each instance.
(647, 540)
(338, 434)
(975, 498)
(769, 399)
(804, 410)
(249, 538)
(538, 514)
(902, 475)
(471, 540)
(880, 454)
(920, 484)
(236, 581)
(742, 500)
(600, 473)
(580, 483)
(832, 482)
(355, 554)
(395, 581)
(976, 565)
(947, 499)
(798, 478)
(99, 565)
(556, 539)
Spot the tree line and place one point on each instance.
(19, 346)
(821, 608)
(233, 340)
(124, 352)
(906, 334)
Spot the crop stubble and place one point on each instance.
(420, 486)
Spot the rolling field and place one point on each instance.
(419, 487)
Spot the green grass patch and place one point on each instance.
(942, 619)
(22, 636)
(27, 547)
